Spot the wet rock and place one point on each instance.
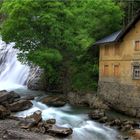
(97, 114)
(27, 123)
(42, 130)
(14, 94)
(36, 116)
(29, 97)
(4, 112)
(136, 124)
(59, 131)
(103, 119)
(8, 97)
(32, 120)
(50, 121)
(20, 105)
(126, 127)
(54, 101)
(117, 122)
(34, 129)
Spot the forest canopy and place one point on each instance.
(57, 34)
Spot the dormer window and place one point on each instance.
(137, 45)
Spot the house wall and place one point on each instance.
(121, 92)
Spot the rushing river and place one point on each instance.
(13, 76)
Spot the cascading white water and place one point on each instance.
(83, 128)
(12, 73)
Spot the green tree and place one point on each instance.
(56, 34)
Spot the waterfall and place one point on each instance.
(13, 74)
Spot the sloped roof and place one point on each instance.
(108, 39)
(117, 36)
(129, 26)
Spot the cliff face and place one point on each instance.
(121, 97)
(36, 80)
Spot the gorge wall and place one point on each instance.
(123, 98)
(36, 79)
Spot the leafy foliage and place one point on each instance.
(56, 35)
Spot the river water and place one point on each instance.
(13, 76)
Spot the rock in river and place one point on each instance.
(8, 97)
(97, 114)
(55, 101)
(20, 105)
(36, 124)
(59, 131)
(32, 120)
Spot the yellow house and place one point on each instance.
(119, 68)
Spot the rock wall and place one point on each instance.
(86, 99)
(123, 98)
(36, 80)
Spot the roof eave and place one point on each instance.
(105, 43)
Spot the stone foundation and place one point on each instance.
(123, 98)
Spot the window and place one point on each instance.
(116, 49)
(106, 70)
(106, 50)
(136, 72)
(137, 45)
(116, 71)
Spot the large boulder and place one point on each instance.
(55, 101)
(8, 97)
(31, 121)
(29, 97)
(59, 131)
(4, 112)
(20, 105)
(36, 116)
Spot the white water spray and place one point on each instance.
(13, 74)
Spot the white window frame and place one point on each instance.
(136, 72)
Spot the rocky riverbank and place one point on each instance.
(10, 130)
(32, 127)
(12, 102)
(128, 128)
